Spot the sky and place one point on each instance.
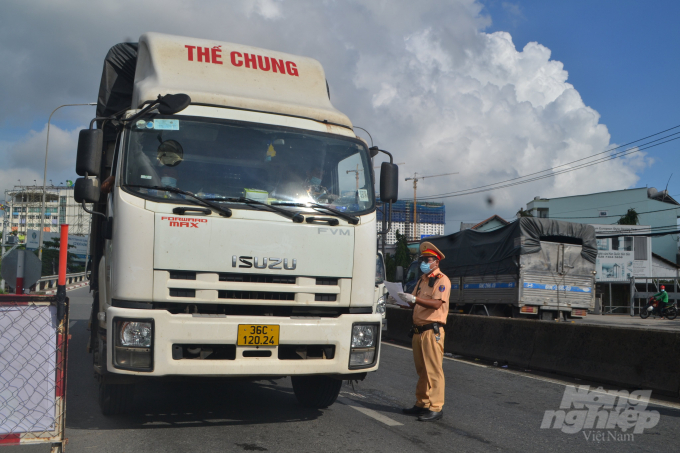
(490, 89)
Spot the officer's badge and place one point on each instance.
(442, 288)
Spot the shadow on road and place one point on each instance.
(173, 404)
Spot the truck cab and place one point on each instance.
(237, 230)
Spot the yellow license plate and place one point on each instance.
(258, 335)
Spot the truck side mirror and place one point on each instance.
(389, 182)
(86, 190)
(89, 155)
(399, 275)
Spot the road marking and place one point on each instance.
(539, 378)
(370, 412)
(446, 358)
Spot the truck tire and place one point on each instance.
(316, 391)
(116, 399)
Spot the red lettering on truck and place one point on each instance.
(191, 52)
(291, 68)
(184, 222)
(263, 63)
(203, 52)
(238, 59)
(250, 59)
(216, 53)
(235, 55)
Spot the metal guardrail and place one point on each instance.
(50, 281)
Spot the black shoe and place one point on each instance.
(415, 410)
(430, 416)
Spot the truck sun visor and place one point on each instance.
(118, 76)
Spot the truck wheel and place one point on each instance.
(316, 391)
(115, 399)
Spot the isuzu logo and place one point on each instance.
(263, 263)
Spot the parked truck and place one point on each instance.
(534, 268)
(234, 225)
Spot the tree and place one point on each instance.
(50, 261)
(523, 213)
(402, 257)
(630, 218)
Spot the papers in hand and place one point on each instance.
(394, 289)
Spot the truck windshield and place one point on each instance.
(220, 160)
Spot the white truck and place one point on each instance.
(234, 225)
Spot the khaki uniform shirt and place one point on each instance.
(440, 291)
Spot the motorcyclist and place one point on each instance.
(662, 299)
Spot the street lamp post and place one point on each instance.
(47, 145)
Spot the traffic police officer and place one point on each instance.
(430, 302)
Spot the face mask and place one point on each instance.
(315, 181)
(425, 267)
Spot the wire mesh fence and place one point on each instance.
(33, 354)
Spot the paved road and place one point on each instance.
(488, 409)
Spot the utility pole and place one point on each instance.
(47, 147)
(415, 179)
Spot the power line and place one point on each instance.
(583, 158)
(601, 160)
(489, 187)
(473, 191)
(605, 216)
(611, 205)
(665, 233)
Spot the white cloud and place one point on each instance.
(423, 77)
(25, 158)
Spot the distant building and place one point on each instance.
(656, 209)
(24, 204)
(430, 221)
(492, 223)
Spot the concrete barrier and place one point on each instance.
(631, 358)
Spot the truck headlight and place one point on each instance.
(133, 344)
(380, 306)
(364, 345)
(135, 334)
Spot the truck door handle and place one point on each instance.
(331, 221)
(182, 209)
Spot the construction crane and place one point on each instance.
(357, 171)
(415, 179)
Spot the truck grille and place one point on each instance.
(255, 295)
(250, 278)
(235, 288)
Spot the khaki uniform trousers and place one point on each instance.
(428, 355)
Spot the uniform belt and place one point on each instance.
(426, 327)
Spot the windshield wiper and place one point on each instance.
(294, 216)
(226, 212)
(350, 218)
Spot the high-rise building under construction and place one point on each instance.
(430, 220)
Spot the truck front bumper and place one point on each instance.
(182, 329)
